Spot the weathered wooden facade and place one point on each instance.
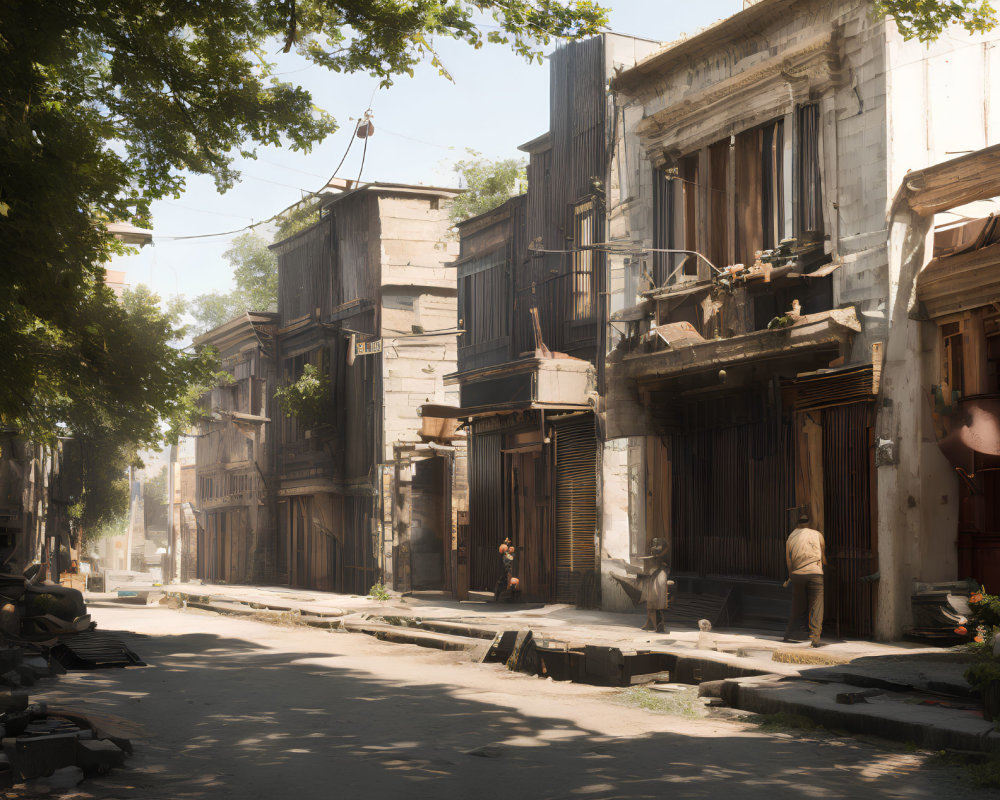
(38, 484)
(533, 306)
(749, 369)
(365, 296)
(956, 304)
(235, 532)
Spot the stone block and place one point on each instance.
(10, 657)
(98, 756)
(13, 700)
(6, 772)
(26, 675)
(38, 756)
(59, 781)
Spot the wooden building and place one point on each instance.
(751, 371)
(366, 296)
(533, 285)
(234, 460)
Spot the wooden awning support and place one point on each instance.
(961, 180)
(836, 327)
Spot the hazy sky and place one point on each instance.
(422, 125)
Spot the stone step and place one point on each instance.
(406, 635)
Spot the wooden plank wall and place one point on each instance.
(733, 477)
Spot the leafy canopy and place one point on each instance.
(105, 106)
(308, 399)
(926, 20)
(255, 271)
(487, 184)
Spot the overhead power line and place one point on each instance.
(365, 120)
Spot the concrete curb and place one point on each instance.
(892, 717)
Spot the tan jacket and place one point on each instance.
(805, 552)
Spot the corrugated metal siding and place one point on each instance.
(850, 542)
(486, 507)
(576, 511)
(732, 485)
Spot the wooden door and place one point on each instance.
(530, 523)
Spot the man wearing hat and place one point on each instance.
(805, 556)
(655, 584)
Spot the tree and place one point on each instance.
(255, 272)
(308, 398)
(926, 20)
(106, 105)
(487, 184)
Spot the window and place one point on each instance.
(809, 204)
(663, 232)
(584, 289)
(729, 203)
(953, 361)
(760, 206)
(689, 169)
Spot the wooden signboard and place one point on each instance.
(368, 348)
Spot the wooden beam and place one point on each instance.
(961, 180)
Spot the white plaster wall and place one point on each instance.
(941, 102)
(615, 523)
(939, 106)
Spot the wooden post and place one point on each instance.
(809, 466)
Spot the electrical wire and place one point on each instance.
(363, 154)
(273, 217)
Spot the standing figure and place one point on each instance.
(655, 584)
(651, 585)
(508, 585)
(805, 556)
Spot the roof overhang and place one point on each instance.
(826, 332)
(950, 284)
(952, 183)
(495, 409)
(679, 54)
(236, 329)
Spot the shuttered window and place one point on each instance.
(576, 511)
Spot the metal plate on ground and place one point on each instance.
(93, 650)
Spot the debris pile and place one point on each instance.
(45, 630)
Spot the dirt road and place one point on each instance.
(234, 708)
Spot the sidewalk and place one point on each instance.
(900, 691)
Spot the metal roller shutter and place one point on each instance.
(576, 511)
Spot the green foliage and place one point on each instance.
(782, 721)
(297, 218)
(679, 704)
(487, 184)
(255, 271)
(116, 525)
(379, 592)
(983, 672)
(926, 20)
(107, 106)
(307, 399)
(985, 609)
(983, 769)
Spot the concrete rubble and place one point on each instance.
(44, 748)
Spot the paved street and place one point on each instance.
(243, 709)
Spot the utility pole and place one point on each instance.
(173, 554)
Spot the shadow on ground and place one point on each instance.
(215, 716)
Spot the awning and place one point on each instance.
(825, 331)
(950, 284)
(457, 412)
